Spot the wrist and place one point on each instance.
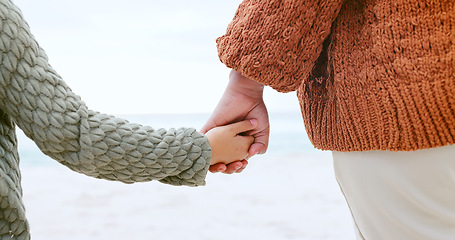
(213, 145)
(244, 85)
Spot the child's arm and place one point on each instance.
(227, 145)
(36, 98)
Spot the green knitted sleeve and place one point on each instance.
(95, 144)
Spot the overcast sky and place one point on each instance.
(139, 56)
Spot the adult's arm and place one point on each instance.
(275, 43)
(95, 144)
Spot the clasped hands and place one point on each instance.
(239, 126)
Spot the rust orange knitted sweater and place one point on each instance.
(369, 74)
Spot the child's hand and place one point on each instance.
(227, 145)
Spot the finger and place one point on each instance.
(261, 142)
(219, 167)
(232, 167)
(243, 126)
(244, 164)
(257, 148)
(207, 126)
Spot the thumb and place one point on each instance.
(243, 126)
(207, 126)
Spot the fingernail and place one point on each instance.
(253, 122)
(238, 166)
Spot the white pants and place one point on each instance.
(400, 195)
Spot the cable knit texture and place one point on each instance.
(34, 97)
(369, 74)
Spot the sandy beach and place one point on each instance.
(288, 193)
(276, 197)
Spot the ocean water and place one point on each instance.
(287, 134)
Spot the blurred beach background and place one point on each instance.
(155, 63)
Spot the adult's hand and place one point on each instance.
(242, 100)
